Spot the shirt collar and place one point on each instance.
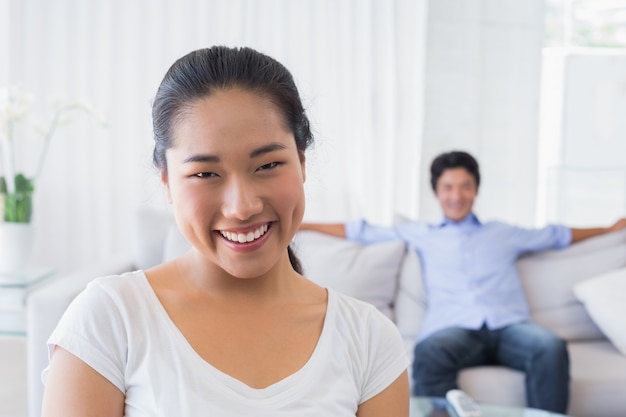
(470, 219)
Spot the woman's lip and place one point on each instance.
(244, 230)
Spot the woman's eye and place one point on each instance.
(205, 174)
(269, 166)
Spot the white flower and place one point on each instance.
(15, 105)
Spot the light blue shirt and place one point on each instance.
(469, 268)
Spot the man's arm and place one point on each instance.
(333, 229)
(582, 234)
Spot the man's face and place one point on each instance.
(456, 190)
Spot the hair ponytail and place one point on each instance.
(295, 262)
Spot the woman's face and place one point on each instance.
(235, 180)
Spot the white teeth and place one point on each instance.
(245, 238)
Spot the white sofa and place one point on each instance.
(389, 276)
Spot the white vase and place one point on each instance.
(16, 246)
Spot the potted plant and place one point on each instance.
(16, 188)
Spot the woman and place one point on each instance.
(230, 328)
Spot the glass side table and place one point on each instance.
(14, 287)
(438, 407)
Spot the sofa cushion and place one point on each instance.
(367, 272)
(598, 379)
(548, 278)
(571, 322)
(603, 298)
(496, 385)
(411, 300)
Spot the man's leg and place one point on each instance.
(543, 357)
(439, 357)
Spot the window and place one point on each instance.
(586, 23)
(582, 172)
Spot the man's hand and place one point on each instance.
(582, 234)
(619, 225)
(333, 229)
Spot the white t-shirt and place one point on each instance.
(118, 327)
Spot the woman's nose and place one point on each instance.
(241, 200)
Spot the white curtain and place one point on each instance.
(359, 65)
(4, 40)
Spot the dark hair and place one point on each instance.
(202, 72)
(454, 159)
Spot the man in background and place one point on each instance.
(477, 311)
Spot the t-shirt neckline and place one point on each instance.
(233, 386)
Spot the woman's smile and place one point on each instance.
(246, 236)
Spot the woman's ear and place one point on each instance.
(166, 185)
(302, 157)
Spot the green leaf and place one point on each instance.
(23, 184)
(18, 207)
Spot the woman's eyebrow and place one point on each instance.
(266, 149)
(254, 154)
(201, 158)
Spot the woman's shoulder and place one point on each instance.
(373, 340)
(124, 288)
(126, 280)
(110, 302)
(347, 301)
(359, 312)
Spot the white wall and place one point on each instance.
(482, 96)
(4, 41)
(583, 135)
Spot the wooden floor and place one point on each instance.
(13, 377)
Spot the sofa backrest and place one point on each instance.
(156, 237)
(386, 275)
(150, 231)
(549, 277)
(366, 272)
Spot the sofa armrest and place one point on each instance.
(44, 307)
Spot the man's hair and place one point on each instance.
(450, 160)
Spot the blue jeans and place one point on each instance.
(526, 346)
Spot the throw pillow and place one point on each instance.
(603, 297)
(367, 272)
